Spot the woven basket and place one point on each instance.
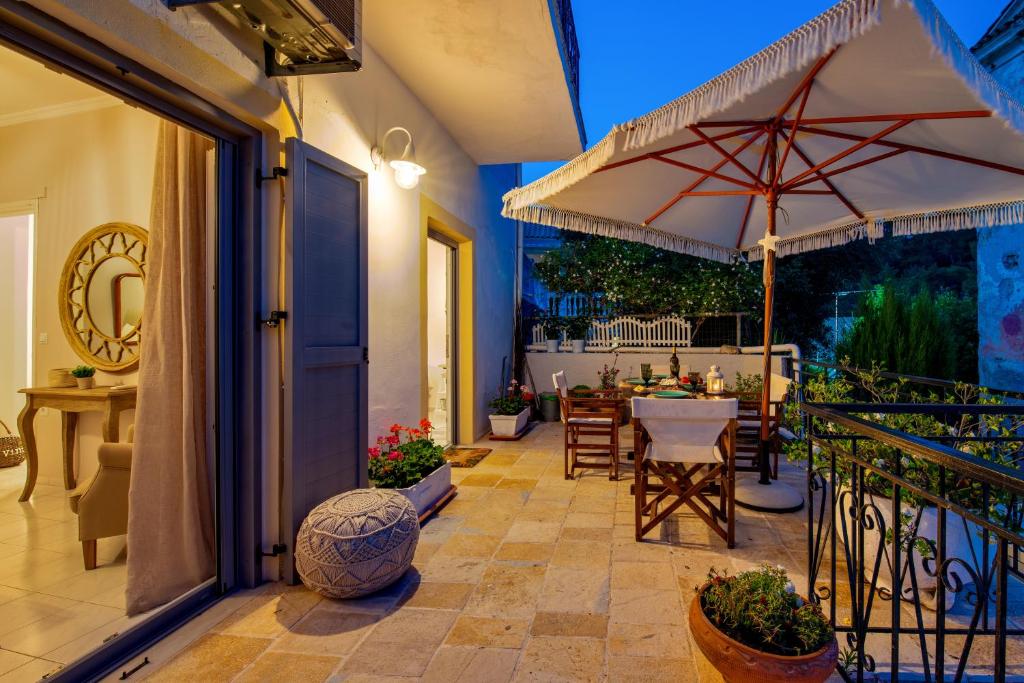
(12, 450)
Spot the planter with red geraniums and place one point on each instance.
(754, 627)
(409, 461)
(510, 412)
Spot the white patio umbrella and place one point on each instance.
(871, 119)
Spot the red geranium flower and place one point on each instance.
(393, 439)
(425, 424)
(395, 455)
(374, 453)
(395, 428)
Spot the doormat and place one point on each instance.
(466, 457)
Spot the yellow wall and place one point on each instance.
(435, 218)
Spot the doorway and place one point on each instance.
(441, 298)
(17, 261)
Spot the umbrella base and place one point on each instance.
(775, 497)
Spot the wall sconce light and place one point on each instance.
(407, 171)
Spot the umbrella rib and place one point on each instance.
(823, 177)
(850, 150)
(697, 183)
(713, 173)
(915, 148)
(750, 201)
(882, 118)
(805, 85)
(678, 148)
(844, 169)
(730, 157)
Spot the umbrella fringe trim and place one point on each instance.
(834, 236)
(564, 176)
(962, 61)
(966, 218)
(838, 25)
(577, 221)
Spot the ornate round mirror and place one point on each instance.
(101, 294)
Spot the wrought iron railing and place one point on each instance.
(914, 541)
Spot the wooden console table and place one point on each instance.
(70, 401)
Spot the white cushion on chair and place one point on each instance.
(590, 420)
(678, 453)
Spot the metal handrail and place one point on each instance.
(977, 468)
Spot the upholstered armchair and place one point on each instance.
(102, 502)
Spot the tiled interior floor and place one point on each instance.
(52, 611)
(523, 576)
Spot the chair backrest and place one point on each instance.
(562, 389)
(561, 385)
(779, 387)
(685, 422)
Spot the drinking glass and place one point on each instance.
(646, 373)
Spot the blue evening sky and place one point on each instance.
(637, 56)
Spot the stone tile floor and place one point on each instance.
(523, 576)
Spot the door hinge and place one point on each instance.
(275, 550)
(275, 318)
(366, 354)
(275, 173)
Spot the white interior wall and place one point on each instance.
(84, 169)
(16, 313)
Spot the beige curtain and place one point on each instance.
(170, 519)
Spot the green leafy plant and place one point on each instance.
(968, 432)
(577, 327)
(553, 326)
(405, 456)
(760, 608)
(927, 334)
(512, 404)
(83, 371)
(748, 385)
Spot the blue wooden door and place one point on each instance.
(325, 395)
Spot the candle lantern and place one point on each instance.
(715, 381)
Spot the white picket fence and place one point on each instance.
(628, 331)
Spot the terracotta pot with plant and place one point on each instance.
(84, 376)
(754, 627)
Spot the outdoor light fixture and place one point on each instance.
(715, 381)
(407, 171)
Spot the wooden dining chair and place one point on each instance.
(748, 433)
(591, 430)
(689, 446)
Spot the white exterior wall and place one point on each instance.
(344, 115)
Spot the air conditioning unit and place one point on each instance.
(300, 36)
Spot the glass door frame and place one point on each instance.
(452, 328)
(238, 417)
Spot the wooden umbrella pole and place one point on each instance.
(769, 305)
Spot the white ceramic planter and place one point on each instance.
(578, 345)
(962, 541)
(509, 425)
(552, 345)
(427, 491)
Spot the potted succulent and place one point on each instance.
(576, 328)
(85, 376)
(754, 627)
(408, 460)
(553, 326)
(510, 412)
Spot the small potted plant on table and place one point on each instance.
(85, 376)
(510, 412)
(409, 461)
(754, 627)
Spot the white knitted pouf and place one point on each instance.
(356, 543)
